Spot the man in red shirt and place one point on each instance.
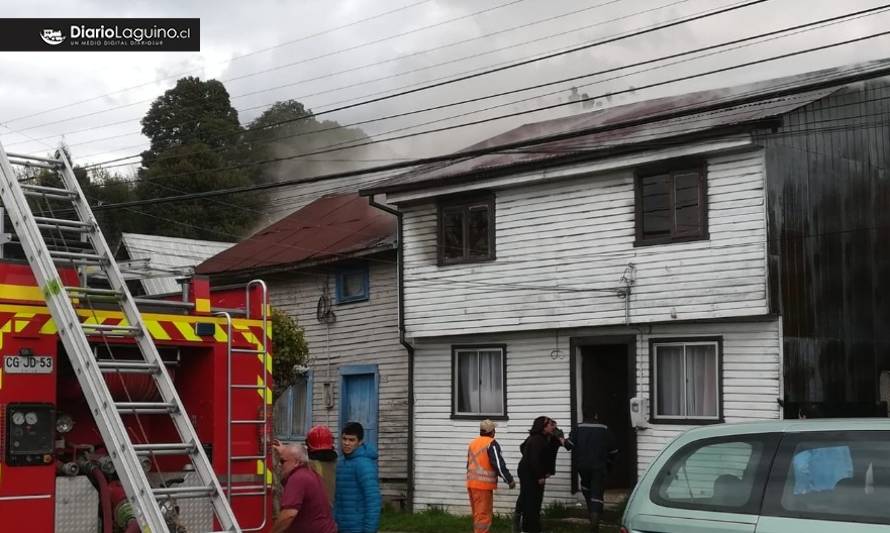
(304, 502)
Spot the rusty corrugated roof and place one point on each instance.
(327, 229)
(618, 135)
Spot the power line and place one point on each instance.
(519, 144)
(808, 26)
(392, 76)
(315, 58)
(235, 58)
(651, 29)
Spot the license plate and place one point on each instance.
(19, 364)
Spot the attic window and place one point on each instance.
(466, 229)
(352, 284)
(671, 203)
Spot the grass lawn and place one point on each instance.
(435, 521)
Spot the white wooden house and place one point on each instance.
(626, 265)
(331, 265)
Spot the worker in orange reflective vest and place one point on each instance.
(485, 464)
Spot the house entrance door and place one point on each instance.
(606, 384)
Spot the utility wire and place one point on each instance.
(374, 80)
(797, 29)
(234, 58)
(525, 62)
(315, 58)
(519, 144)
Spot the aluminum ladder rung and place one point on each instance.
(82, 228)
(184, 492)
(257, 422)
(171, 448)
(251, 351)
(127, 367)
(48, 192)
(26, 157)
(92, 291)
(250, 387)
(63, 222)
(248, 457)
(146, 408)
(111, 330)
(32, 164)
(77, 256)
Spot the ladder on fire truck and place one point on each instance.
(43, 255)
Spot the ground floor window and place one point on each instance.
(686, 380)
(479, 384)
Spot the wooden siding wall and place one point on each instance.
(578, 236)
(538, 385)
(364, 333)
(829, 211)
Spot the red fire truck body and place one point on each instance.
(55, 473)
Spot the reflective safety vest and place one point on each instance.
(480, 472)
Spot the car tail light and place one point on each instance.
(623, 530)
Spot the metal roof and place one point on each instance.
(166, 258)
(624, 126)
(329, 228)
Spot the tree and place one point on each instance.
(195, 137)
(193, 112)
(289, 351)
(196, 168)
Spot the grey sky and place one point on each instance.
(35, 82)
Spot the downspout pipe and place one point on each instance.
(409, 348)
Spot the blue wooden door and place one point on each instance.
(359, 399)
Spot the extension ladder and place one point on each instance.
(44, 254)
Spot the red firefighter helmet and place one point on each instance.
(320, 438)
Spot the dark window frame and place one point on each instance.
(671, 169)
(339, 283)
(775, 487)
(454, 383)
(653, 392)
(465, 202)
(770, 441)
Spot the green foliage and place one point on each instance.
(195, 168)
(289, 351)
(195, 147)
(193, 112)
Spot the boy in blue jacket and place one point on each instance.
(357, 506)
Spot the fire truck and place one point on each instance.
(119, 412)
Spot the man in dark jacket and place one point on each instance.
(357, 507)
(593, 453)
(537, 464)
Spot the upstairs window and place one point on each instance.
(466, 230)
(352, 284)
(671, 204)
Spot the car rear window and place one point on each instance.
(842, 476)
(721, 474)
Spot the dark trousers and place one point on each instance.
(593, 486)
(528, 505)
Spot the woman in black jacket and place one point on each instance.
(537, 464)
